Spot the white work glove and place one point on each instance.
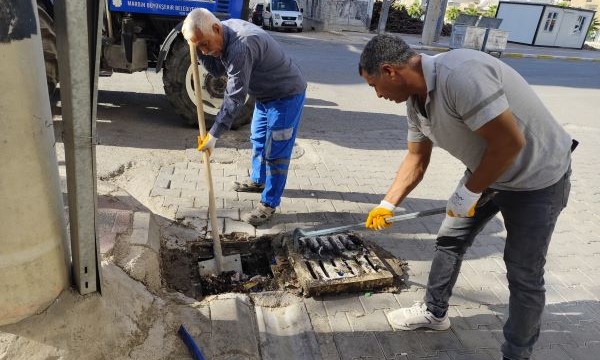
(207, 143)
(462, 202)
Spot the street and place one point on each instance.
(134, 114)
(138, 129)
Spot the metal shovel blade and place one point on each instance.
(228, 263)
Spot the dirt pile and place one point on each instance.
(400, 22)
(125, 322)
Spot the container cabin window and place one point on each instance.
(550, 21)
(580, 23)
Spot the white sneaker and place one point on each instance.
(416, 317)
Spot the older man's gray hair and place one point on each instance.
(198, 19)
(383, 49)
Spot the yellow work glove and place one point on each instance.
(377, 216)
(462, 203)
(207, 143)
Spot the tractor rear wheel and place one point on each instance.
(178, 82)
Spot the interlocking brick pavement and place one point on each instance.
(346, 169)
(354, 325)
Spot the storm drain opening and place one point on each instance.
(264, 265)
(310, 266)
(342, 262)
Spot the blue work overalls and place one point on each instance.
(274, 127)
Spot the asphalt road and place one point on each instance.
(136, 123)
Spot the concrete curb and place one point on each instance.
(548, 57)
(141, 251)
(233, 327)
(286, 333)
(430, 48)
(514, 55)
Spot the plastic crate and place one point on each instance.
(467, 37)
(488, 22)
(495, 41)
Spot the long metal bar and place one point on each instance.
(206, 159)
(96, 10)
(392, 219)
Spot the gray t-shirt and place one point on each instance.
(468, 88)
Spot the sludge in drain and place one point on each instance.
(335, 263)
(263, 265)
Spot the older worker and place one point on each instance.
(255, 64)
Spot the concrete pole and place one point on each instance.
(383, 16)
(440, 23)
(33, 235)
(431, 19)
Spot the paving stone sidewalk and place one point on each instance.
(344, 183)
(343, 169)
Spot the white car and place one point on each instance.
(282, 14)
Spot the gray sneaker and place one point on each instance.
(259, 215)
(416, 317)
(248, 186)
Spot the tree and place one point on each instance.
(563, 4)
(491, 11)
(397, 5)
(452, 13)
(415, 10)
(472, 10)
(594, 27)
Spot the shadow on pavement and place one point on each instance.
(332, 195)
(354, 130)
(143, 120)
(318, 102)
(569, 331)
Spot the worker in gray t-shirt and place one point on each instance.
(518, 162)
(255, 65)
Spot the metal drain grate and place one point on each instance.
(339, 268)
(338, 263)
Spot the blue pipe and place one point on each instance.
(190, 343)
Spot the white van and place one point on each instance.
(282, 14)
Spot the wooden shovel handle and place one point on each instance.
(206, 159)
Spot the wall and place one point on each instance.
(520, 21)
(586, 4)
(572, 28)
(547, 34)
(336, 15)
(559, 26)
